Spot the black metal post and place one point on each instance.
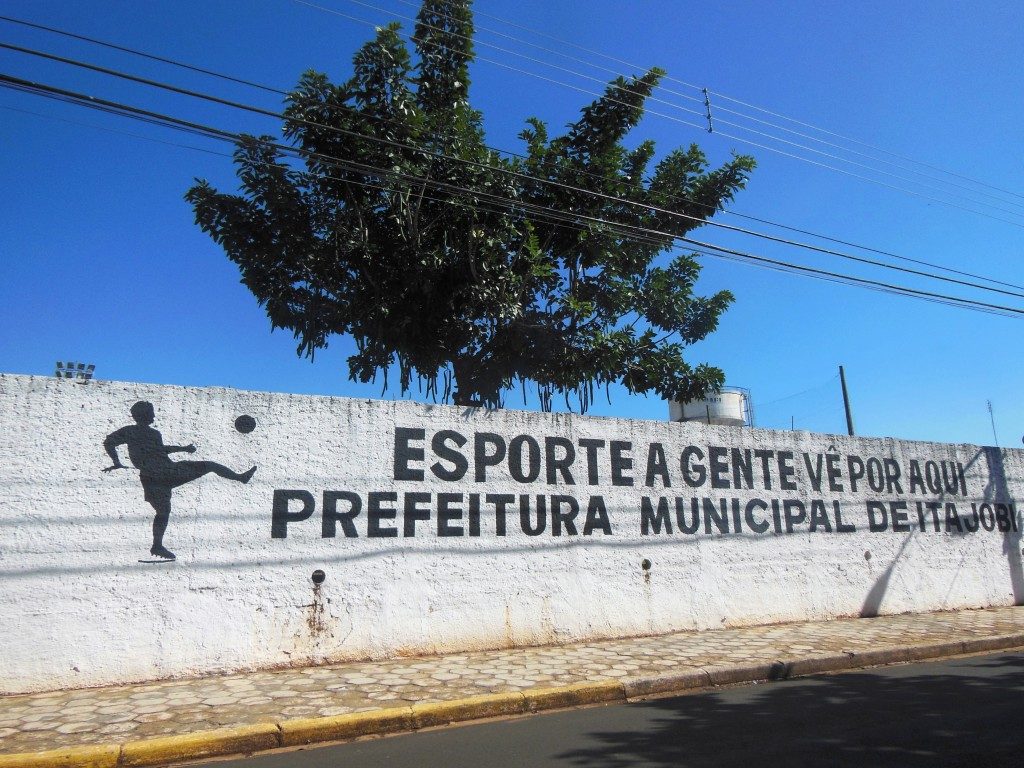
(846, 401)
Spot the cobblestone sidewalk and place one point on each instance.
(104, 716)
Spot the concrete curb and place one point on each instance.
(75, 757)
(300, 732)
(193, 746)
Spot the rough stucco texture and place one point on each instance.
(740, 526)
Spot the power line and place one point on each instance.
(563, 42)
(689, 97)
(701, 128)
(832, 156)
(622, 229)
(108, 129)
(143, 54)
(513, 154)
(744, 116)
(871, 146)
(549, 182)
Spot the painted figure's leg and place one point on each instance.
(222, 471)
(160, 520)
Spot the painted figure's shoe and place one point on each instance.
(245, 477)
(163, 552)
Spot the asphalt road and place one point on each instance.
(964, 712)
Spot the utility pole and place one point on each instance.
(993, 420)
(846, 401)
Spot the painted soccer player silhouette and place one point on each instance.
(160, 475)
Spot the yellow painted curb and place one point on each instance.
(192, 746)
(431, 713)
(538, 699)
(74, 757)
(349, 726)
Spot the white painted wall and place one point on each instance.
(79, 608)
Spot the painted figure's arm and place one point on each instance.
(114, 439)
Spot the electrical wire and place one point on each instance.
(143, 54)
(692, 112)
(508, 152)
(707, 248)
(815, 388)
(548, 182)
(865, 144)
(562, 42)
(108, 129)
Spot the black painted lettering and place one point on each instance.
(657, 466)
(559, 465)
(693, 473)
(481, 458)
(950, 481)
(621, 461)
(855, 471)
(819, 517)
(794, 512)
(1002, 517)
(718, 464)
(971, 522)
(524, 515)
(413, 512)
(952, 518)
(878, 517)
(405, 453)
(841, 527)
(597, 517)
(815, 471)
(449, 510)
(742, 468)
(591, 447)
(899, 516)
(567, 518)
(717, 514)
(892, 477)
(501, 502)
(281, 514)
(787, 472)
(330, 516)
(654, 520)
(988, 523)
(916, 478)
(756, 525)
(876, 477)
(766, 457)
(460, 465)
(515, 458)
(376, 514)
(694, 523)
(474, 514)
(835, 474)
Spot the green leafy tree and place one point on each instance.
(385, 217)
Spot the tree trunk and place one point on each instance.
(465, 393)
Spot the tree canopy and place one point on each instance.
(383, 215)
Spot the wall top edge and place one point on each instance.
(415, 407)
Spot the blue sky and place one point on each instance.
(100, 260)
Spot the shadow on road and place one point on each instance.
(905, 718)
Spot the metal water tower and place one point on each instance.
(731, 408)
